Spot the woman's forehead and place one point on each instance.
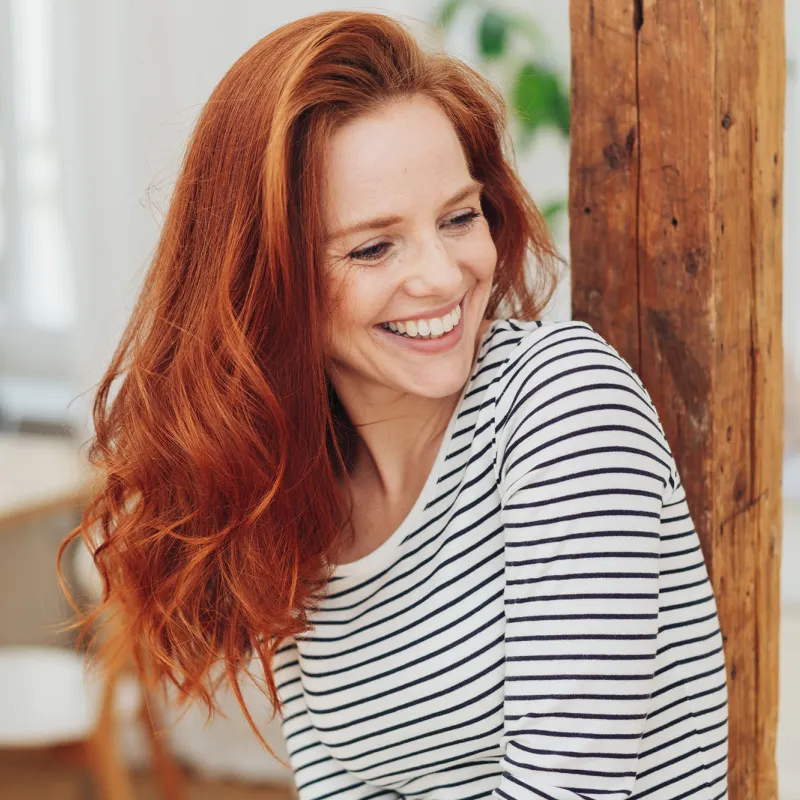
(404, 153)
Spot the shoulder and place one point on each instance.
(538, 335)
(563, 378)
(544, 354)
(510, 342)
(534, 347)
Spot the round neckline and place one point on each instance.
(384, 552)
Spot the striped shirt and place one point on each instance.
(541, 624)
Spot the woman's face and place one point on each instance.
(407, 249)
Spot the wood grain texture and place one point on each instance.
(603, 174)
(676, 260)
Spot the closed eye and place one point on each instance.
(375, 251)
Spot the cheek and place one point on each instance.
(337, 311)
(354, 299)
(484, 257)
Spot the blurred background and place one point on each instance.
(97, 99)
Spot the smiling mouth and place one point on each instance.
(433, 328)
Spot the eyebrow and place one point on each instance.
(382, 222)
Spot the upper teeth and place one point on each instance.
(430, 328)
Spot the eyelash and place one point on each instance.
(373, 252)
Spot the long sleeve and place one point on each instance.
(584, 469)
(317, 774)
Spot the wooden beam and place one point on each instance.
(675, 234)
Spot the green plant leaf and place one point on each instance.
(447, 11)
(562, 111)
(538, 98)
(552, 210)
(493, 34)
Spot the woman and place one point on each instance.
(455, 539)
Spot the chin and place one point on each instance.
(436, 381)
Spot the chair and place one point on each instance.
(48, 700)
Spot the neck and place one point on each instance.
(399, 435)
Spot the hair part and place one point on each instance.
(218, 519)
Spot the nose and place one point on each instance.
(434, 272)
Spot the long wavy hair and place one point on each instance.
(217, 518)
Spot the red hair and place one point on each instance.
(218, 517)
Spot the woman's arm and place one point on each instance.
(584, 469)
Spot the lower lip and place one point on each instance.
(438, 345)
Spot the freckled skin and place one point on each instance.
(402, 161)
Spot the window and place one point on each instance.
(37, 287)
